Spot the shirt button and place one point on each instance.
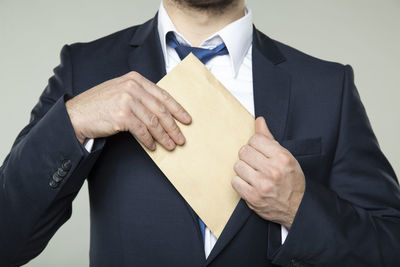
(66, 165)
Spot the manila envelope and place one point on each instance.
(202, 169)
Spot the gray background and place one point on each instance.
(362, 33)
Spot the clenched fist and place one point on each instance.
(128, 103)
(269, 178)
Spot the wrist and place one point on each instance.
(74, 118)
(294, 206)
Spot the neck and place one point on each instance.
(197, 25)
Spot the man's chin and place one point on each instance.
(207, 5)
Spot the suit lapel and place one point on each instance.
(271, 87)
(146, 55)
(271, 84)
(146, 58)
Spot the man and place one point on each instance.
(315, 187)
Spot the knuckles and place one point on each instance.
(142, 132)
(124, 99)
(172, 126)
(162, 109)
(256, 139)
(134, 75)
(165, 95)
(154, 122)
(130, 84)
(244, 150)
(265, 188)
(178, 109)
(164, 137)
(285, 158)
(274, 173)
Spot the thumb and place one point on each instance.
(262, 128)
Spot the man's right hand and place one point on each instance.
(128, 103)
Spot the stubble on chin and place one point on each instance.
(211, 6)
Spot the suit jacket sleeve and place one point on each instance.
(355, 221)
(31, 210)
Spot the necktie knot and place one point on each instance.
(203, 54)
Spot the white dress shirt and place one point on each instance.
(233, 70)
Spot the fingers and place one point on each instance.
(165, 118)
(153, 112)
(262, 128)
(170, 103)
(265, 145)
(244, 171)
(242, 187)
(139, 130)
(128, 103)
(153, 125)
(253, 158)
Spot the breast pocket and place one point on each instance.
(308, 153)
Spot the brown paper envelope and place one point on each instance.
(202, 169)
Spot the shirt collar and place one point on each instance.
(237, 36)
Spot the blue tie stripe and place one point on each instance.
(204, 55)
(202, 229)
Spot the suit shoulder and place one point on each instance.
(114, 42)
(99, 60)
(311, 73)
(303, 61)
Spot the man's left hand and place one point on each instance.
(269, 178)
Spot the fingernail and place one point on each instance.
(153, 146)
(181, 139)
(187, 117)
(171, 143)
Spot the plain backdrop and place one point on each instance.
(363, 33)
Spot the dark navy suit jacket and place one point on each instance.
(349, 215)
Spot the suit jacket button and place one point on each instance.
(57, 178)
(294, 263)
(60, 172)
(53, 184)
(66, 165)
